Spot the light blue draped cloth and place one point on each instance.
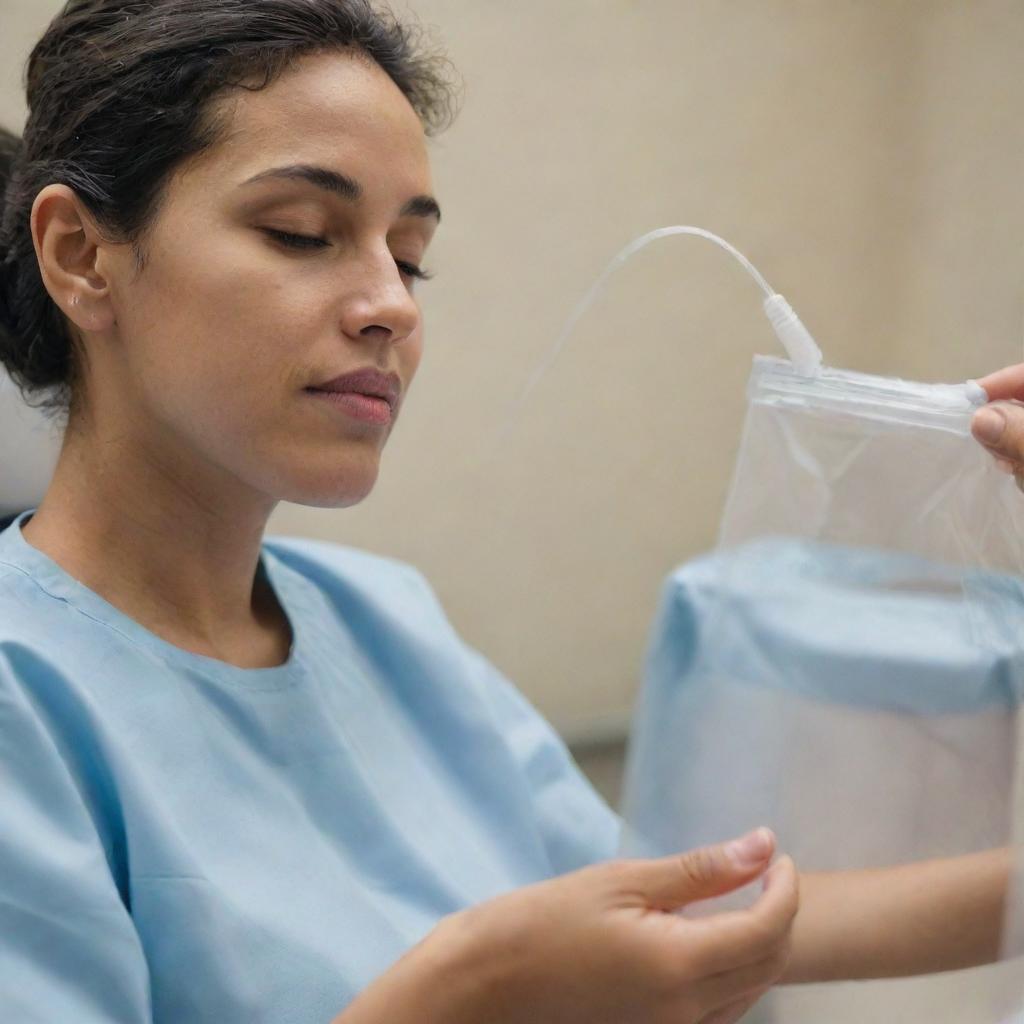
(862, 702)
(183, 841)
(865, 704)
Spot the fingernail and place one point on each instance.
(988, 425)
(752, 849)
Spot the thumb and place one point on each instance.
(671, 882)
(1000, 428)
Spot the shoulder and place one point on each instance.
(27, 611)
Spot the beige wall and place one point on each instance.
(866, 154)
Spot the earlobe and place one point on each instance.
(68, 246)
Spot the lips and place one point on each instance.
(369, 381)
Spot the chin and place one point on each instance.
(336, 488)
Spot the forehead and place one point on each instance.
(332, 109)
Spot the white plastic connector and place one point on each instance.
(800, 346)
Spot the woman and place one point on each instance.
(242, 779)
(250, 779)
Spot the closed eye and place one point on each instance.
(293, 241)
(310, 243)
(411, 270)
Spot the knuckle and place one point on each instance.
(698, 867)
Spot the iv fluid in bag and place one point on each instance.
(847, 666)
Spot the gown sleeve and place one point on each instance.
(68, 948)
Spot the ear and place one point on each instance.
(70, 249)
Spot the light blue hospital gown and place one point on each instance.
(183, 841)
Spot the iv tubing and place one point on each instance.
(796, 339)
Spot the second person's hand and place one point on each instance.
(999, 426)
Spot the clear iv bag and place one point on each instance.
(847, 665)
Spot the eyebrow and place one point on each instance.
(421, 206)
(344, 186)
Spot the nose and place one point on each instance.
(379, 303)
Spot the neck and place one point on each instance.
(172, 541)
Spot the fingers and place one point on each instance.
(1000, 428)
(741, 937)
(724, 991)
(734, 1011)
(671, 882)
(1006, 383)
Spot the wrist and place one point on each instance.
(458, 972)
(447, 978)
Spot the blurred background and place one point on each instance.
(867, 155)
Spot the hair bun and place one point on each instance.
(11, 148)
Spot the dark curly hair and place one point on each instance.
(119, 94)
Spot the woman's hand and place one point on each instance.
(600, 946)
(1000, 426)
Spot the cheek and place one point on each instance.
(231, 327)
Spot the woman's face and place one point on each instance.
(280, 259)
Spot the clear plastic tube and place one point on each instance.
(794, 336)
